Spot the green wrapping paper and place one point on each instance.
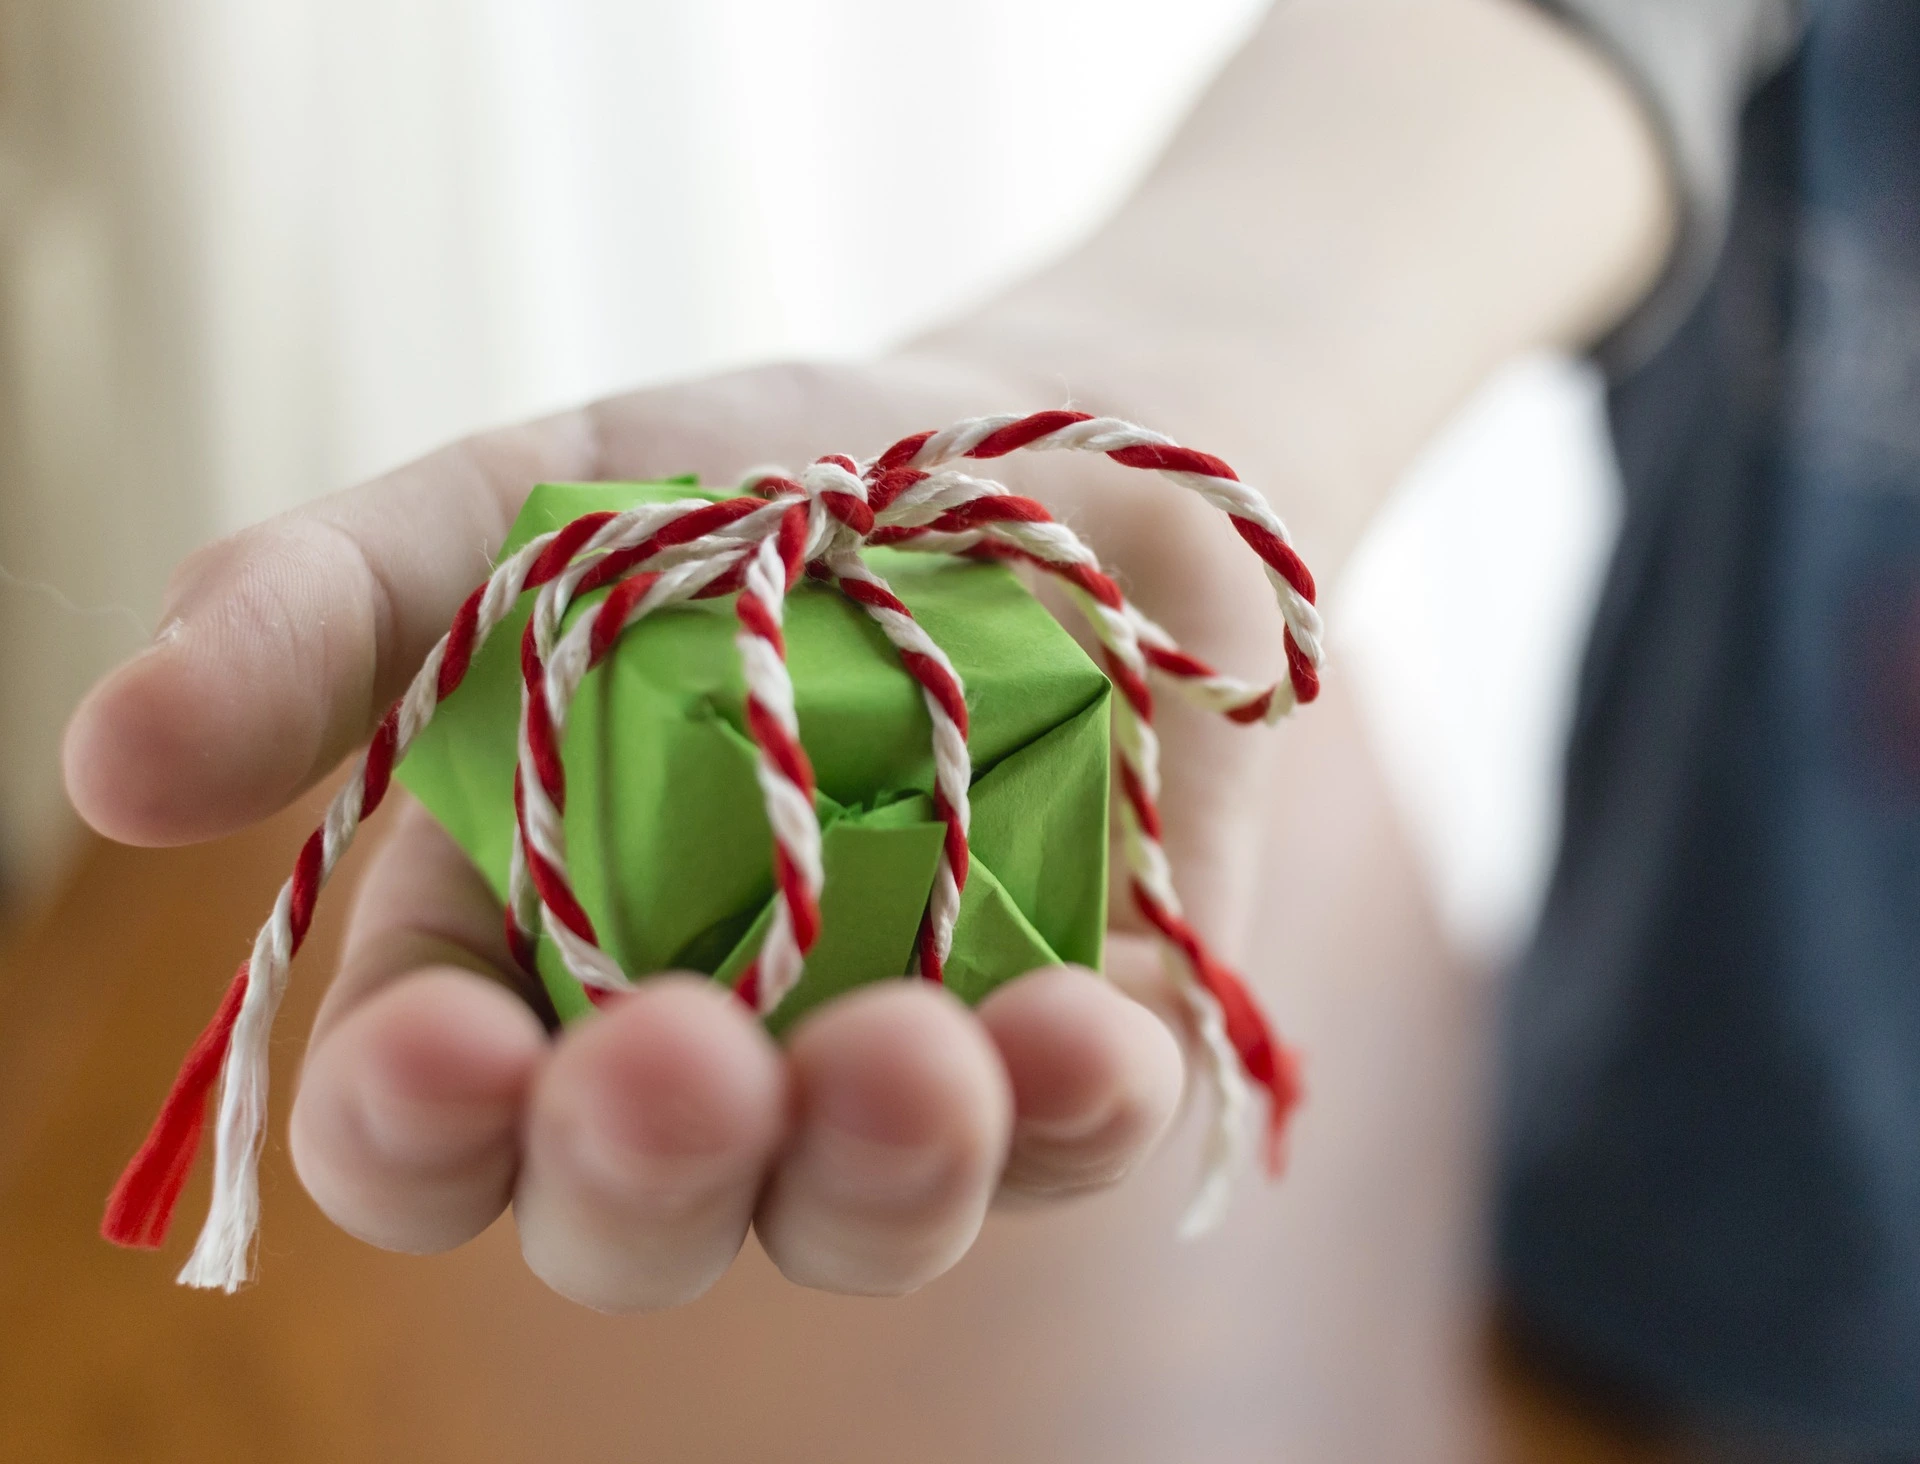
(667, 841)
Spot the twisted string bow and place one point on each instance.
(756, 546)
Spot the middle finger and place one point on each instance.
(645, 1142)
(902, 1115)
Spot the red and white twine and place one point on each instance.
(756, 546)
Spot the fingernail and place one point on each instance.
(1072, 1128)
(867, 1173)
(668, 1184)
(430, 1135)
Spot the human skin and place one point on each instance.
(1377, 202)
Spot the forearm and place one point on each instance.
(1377, 202)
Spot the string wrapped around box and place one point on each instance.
(756, 546)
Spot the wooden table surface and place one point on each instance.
(1340, 1317)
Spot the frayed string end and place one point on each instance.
(1284, 1094)
(1267, 1062)
(140, 1209)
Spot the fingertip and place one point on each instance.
(901, 1063)
(676, 1068)
(121, 744)
(447, 1036)
(1096, 1079)
(186, 741)
(405, 1126)
(262, 677)
(901, 1129)
(1073, 1044)
(646, 1142)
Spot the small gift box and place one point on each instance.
(805, 758)
(667, 839)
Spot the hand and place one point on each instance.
(636, 1148)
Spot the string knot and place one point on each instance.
(835, 484)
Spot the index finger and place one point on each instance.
(282, 645)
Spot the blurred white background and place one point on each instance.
(252, 252)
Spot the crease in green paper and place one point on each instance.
(667, 842)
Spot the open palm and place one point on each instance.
(636, 1149)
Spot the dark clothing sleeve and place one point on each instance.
(1693, 62)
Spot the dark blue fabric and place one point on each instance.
(1709, 1165)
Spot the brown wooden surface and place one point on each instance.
(1338, 1318)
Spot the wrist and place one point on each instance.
(1373, 207)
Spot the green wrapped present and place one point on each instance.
(667, 838)
(951, 697)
